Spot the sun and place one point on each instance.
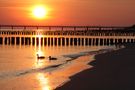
(39, 12)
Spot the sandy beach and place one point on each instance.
(111, 71)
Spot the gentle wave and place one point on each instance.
(51, 68)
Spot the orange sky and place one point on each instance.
(69, 12)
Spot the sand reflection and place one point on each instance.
(43, 81)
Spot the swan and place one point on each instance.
(52, 58)
(40, 57)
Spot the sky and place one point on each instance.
(69, 12)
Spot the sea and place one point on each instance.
(20, 69)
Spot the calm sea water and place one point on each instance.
(21, 70)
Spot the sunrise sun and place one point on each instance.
(39, 12)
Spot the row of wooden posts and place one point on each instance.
(62, 41)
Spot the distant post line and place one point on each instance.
(65, 35)
(63, 27)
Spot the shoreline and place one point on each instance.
(113, 70)
(82, 62)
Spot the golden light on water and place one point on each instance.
(44, 82)
(39, 51)
(39, 12)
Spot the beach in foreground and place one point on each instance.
(19, 64)
(114, 70)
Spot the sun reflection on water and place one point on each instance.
(39, 63)
(43, 81)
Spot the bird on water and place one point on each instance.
(52, 58)
(40, 57)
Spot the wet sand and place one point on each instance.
(111, 71)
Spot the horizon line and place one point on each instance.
(100, 26)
